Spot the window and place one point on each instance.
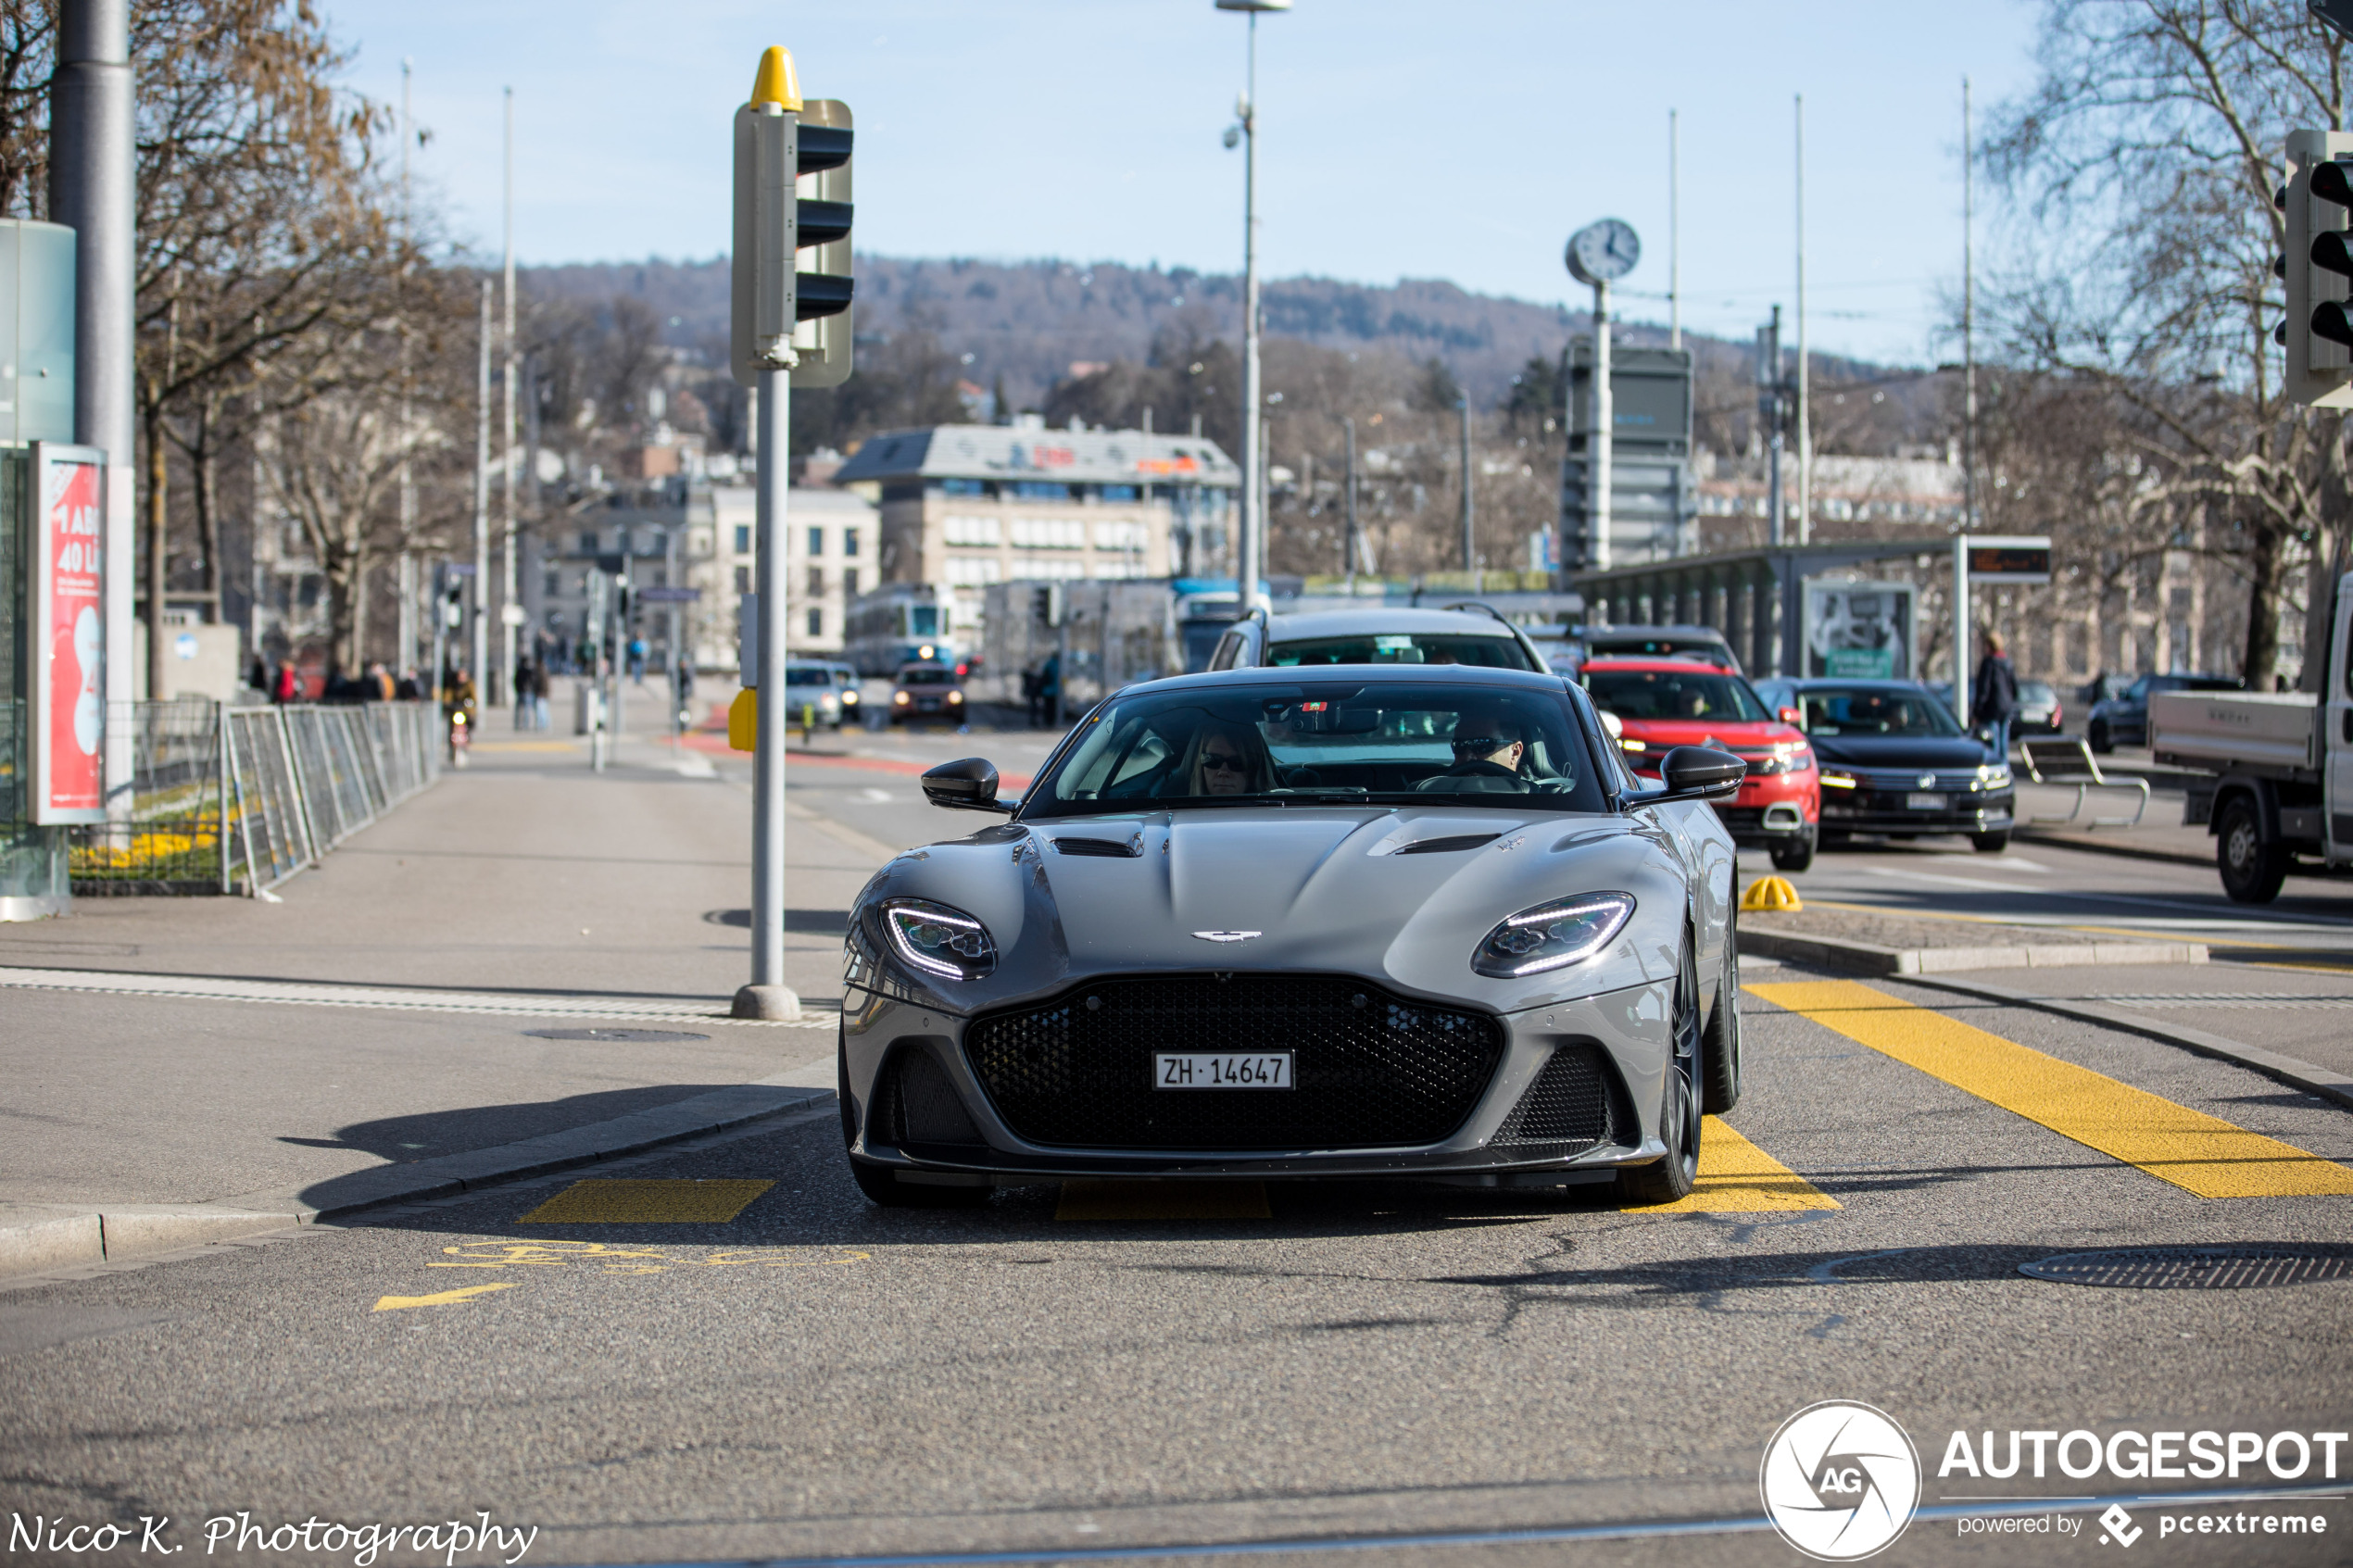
(1119, 493)
(816, 541)
(982, 531)
(850, 581)
(554, 585)
(963, 487)
(850, 542)
(743, 580)
(816, 622)
(587, 541)
(743, 539)
(1039, 490)
(816, 581)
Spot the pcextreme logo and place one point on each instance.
(1840, 1481)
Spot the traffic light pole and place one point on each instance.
(768, 996)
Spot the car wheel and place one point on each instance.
(2252, 870)
(1663, 1181)
(1989, 842)
(1795, 855)
(2100, 740)
(1720, 1051)
(880, 1182)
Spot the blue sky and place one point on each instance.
(1462, 140)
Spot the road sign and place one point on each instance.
(2009, 558)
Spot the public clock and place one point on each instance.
(1604, 252)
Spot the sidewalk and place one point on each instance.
(527, 881)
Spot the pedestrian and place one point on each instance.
(539, 719)
(683, 678)
(1049, 688)
(1993, 698)
(1030, 696)
(379, 685)
(522, 692)
(637, 659)
(289, 685)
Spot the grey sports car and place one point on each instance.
(1373, 921)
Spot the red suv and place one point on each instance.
(1663, 703)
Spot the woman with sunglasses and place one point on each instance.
(1229, 759)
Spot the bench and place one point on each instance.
(2072, 763)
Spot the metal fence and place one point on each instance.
(250, 795)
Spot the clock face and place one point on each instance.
(1604, 252)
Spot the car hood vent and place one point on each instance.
(1447, 845)
(1107, 848)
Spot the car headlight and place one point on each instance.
(938, 940)
(849, 698)
(1783, 758)
(1838, 781)
(1993, 775)
(902, 698)
(955, 696)
(1553, 935)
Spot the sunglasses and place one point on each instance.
(1224, 761)
(1483, 744)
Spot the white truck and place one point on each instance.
(2280, 795)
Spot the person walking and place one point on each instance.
(289, 684)
(683, 680)
(539, 719)
(522, 692)
(1993, 698)
(1050, 689)
(637, 659)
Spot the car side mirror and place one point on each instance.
(1794, 715)
(969, 784)
(1697, 772)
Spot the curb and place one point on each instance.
(2297, 1073)
(1871, 959)
(37, 1238)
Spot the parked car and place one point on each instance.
(1664, 703)
(2038, 707)
(1703, 643)
(927, 691)
(847, 682)
(815, 689)
(1377, 635)
(1894, 761)
(1409, 921)
(2123, 720)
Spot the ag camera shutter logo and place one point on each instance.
(1840, 1481)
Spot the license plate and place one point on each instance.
(1175, 1070)
(1926, 802)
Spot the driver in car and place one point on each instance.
(1488, 748)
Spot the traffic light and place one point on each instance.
(1046, 604)
(2316, 267)
(792, 187)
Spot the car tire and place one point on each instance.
(2252, 870)
(1794, 856)
(1720, 1050)
(1665, 1181)
(880, 1182)
(2100, 739)
(1989, 842)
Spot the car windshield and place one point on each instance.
(1674, 693)
(1602, 644)
(1875, 710)
(1377, 742)
(2035, 691)
(1404, 648)
(926, 677)
(808, 675)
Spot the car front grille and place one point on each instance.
(1576, 1103)
(1370, 1069)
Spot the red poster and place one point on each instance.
(68, 588)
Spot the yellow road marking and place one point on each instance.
(439, 1298)
(1162, 1200)
(1737, 1177)
(2198, 1153)
(647, 1203)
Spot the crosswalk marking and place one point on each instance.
(2198, 1153)
(1737, 1177)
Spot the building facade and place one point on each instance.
(966, 505)
(831, 539)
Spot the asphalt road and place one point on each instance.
(1074, 1370)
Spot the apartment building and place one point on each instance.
(831, 543)
(966, 505)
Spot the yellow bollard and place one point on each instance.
(1769, 893)
(743, 720)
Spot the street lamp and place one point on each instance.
(1249, 545)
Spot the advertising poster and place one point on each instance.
(1858, 629)
(67, 586)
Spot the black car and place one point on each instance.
(1896, 761)
(2123, 720)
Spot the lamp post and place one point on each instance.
(1250, 542)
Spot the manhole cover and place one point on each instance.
(2196, 1268)
(648, 1036)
